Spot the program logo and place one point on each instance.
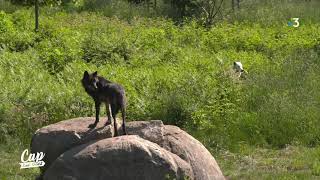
(31, 160)
(294, 22)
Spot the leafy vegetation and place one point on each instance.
(292, 162)
(178, 73)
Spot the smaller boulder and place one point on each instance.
(119, 158)
(192, 151)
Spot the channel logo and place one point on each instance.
(294, 22)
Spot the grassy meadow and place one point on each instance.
(265, 126)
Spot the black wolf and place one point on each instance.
(112, 94)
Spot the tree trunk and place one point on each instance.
(238, 4)
(36, 9)
(232, 4)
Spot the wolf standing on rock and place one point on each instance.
(112, 94)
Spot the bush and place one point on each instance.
(11, 37)
(99, 50)
(180, 74)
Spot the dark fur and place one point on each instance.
(113, 94)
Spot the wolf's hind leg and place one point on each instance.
(109, 120)
(114, 111)
(123, 112)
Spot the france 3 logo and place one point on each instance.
(294, 22)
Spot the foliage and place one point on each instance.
(180, 74)
(209, 10)
(292, 162)
(43, 2)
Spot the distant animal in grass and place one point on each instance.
(105, 91)
(238, 67)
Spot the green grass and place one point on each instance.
(292, 162)
(271, 12)
(178, 73)
(10, 167)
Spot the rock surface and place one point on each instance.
(191, 150)
(58, 138)
(120, 158)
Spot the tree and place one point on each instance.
(38, 3)
(147, 2)
(183, 8)
(209, 9)
(235, 3)
(36, 9)
(41, 2)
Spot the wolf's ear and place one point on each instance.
(86, 74)
(234, 63)
(95, 74)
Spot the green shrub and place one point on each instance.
(11, 37)
(100, 50)
(180, 74)
(5, 22)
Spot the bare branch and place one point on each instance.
(218, 9)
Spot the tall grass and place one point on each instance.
(266, 13)
(7, 6)
(272, 12)
(180, 74)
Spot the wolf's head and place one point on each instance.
(237, 66)
(89, 81)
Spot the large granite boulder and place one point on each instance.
(58, 138)
(120, 158)
(191, 150)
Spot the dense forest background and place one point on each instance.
(174, 59)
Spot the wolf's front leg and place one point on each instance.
(97, 105)
(108, 114)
